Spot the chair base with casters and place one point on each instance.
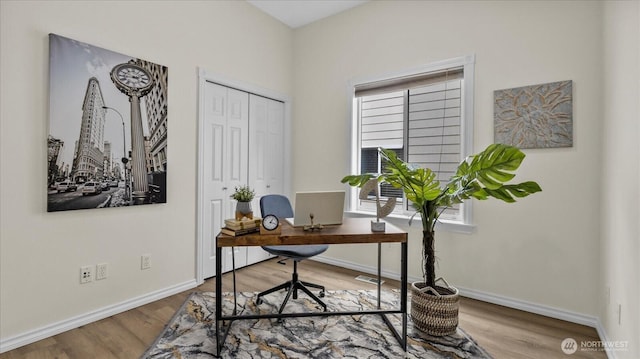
(292, 287)
(295, 284)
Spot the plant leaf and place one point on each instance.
(357, 180)
(484, 175)
(494, 165)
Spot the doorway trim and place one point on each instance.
(206, 76)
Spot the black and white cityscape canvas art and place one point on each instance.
(107, 142)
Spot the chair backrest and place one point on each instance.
(277, 205)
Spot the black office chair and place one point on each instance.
(280, 206)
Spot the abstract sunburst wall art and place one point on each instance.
(538, 116)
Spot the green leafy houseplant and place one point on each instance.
(479, 176)
(243, 194)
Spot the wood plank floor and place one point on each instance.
(503, 332)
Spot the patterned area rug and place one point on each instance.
(191, 332)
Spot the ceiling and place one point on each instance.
(297, 13)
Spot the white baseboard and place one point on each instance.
(611, 354)
(547, 311)
(32, 336)
(530, 307)
(358, 267)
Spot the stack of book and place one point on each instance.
(234, 227)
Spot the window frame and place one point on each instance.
(468, 64)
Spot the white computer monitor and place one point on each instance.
(327, 208)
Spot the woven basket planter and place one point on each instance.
(435, 314)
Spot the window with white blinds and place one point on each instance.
(421, 116)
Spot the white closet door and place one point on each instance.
(275, 147)
(266, 155)
(266, 146)
(237, 158)
(226, 160)
(257, 146)
(215, 101)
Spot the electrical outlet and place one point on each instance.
(145, 261)
(86, 274)
(101, 271)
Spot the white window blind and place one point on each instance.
(420, 118)
(434, 136)
(434, 127)
(382, 120)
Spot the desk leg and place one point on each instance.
(233, 268)
(218, 299)
(403, 293)
(379, 271)
(402, 338)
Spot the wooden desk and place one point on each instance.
(353, 230)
